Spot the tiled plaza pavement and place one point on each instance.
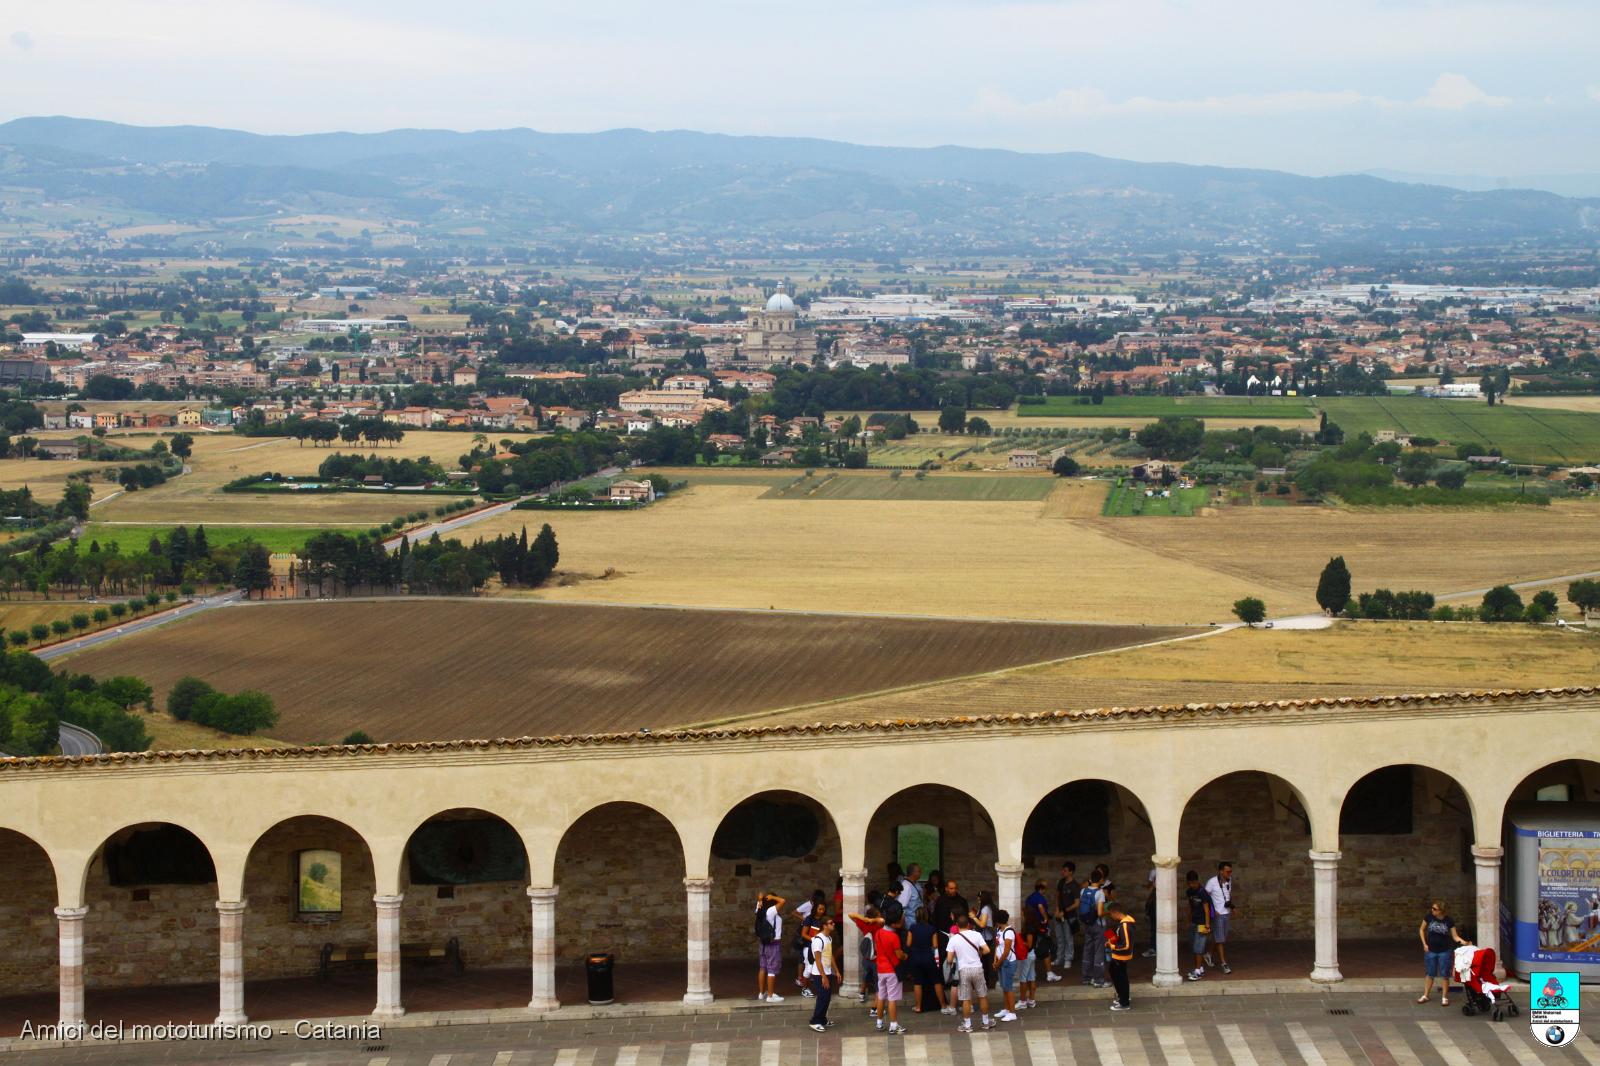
(1204, 1030)
(432, 988)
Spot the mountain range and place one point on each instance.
(516, 186)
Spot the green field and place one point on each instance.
(1523, 434)
(1156, 406)
(909, 487)
(273, 538)
(1127, 498)
(923, 448)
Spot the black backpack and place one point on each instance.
(764, 930)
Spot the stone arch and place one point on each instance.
(619, 867)
(151, 891)
(1115, 828)
(777, 840)
(942, 821)
(1405, 836)
(286, 921)
(1263, 825)
(28, 950)
(464, 876)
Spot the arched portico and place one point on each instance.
(151, 881)
(28, 936)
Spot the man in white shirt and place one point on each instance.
(911, 891)
(819, 970)
(969, 949)
(1220, 889)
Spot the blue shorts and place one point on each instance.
(1027, 969)
(1008, 975)
(1438, 963)
(1198, 943)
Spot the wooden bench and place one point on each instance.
(449, 951)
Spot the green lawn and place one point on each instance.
(1128, 499)
(1523, 434)
(1156, 406)
(923, 448)
(273, 538)
(910, 487)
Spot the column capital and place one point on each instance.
(389, 902)
(698, 884)
(1325, 858)
(226, 906)
(71, 914)
(857, 876)
(1166, 862)
(543, 894)
(1487, 854)
(1009, 869)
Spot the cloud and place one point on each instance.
(1453, 92)
(22, 40)
(1594, 93)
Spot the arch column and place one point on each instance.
(1166, 975)
(698, 891)
(1325, 900)
(543, 901)
(855, 899)
(230, 955)
(1009, 897)
(69, 933)
(1486, 860)
(388, 957)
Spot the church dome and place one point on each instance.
(780, 301)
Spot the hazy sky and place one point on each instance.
(1438, 86)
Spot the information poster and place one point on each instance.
(1569, 897)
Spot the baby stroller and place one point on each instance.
(1474, 968)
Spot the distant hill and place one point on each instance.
(506, 186)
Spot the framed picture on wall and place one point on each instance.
(319, 895)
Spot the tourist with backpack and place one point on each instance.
(867, 924)
(1005, 962)
(820, 972)
(972, 982)
(1091, 919)
(769, 937)
(922, 957)
(1028, 960)
(1199, 923)
(808, 919)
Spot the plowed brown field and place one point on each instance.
(429, 670)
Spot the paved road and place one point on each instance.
(76, 740)
(138, 625)
(1536, 583)
(450, 525)
(1265, 1030)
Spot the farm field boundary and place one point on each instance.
(1158, 406)
(881, 487)
(422, 669)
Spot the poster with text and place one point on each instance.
(1569, 897)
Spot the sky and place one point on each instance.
(1469, 87)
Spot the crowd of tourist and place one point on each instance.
(951, 953)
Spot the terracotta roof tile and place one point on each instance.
(1156, 712)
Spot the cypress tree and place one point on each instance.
(1333, 587)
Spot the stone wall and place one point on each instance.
(620, 869)
(969, 851)
(157, 934)
(28, 947)
(733, 895)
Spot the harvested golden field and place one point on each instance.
(197, 496)
(1437, 550)
(421, 670)
(1349, 659)
(20, 614)
(729, 545)
(1590, 404)
(169, 734)
(47, 478)
(1010, 419)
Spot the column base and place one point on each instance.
(543, 1005)
(236, 1018)
(697, 999)
(1167, 980)
(388, 1012)
(1326, 975)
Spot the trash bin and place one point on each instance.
(599, 969)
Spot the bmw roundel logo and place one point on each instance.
(1555, 1035)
